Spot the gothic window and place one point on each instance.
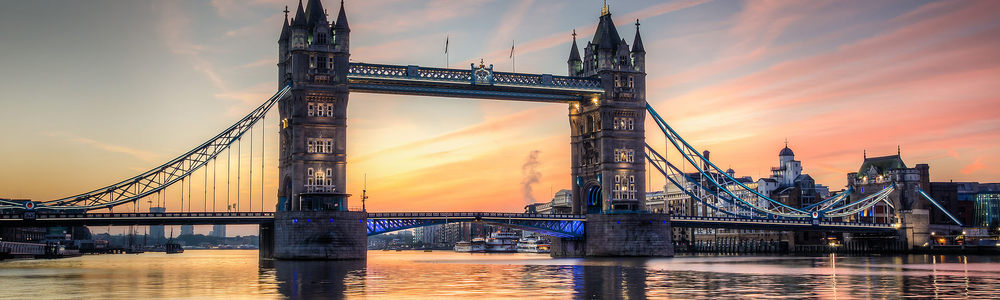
(624, 123)
(298, 41)
(624, 188)
(319, 181)
(316, 109)
(312, 61)
(322, 39)
(624, 155)
(319, 145)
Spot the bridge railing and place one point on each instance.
(776, 221)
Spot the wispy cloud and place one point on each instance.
(175, 29)
(145, 156)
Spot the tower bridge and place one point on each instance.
(605, 93)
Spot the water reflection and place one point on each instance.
(441, 274)
(318, 279)
(622, 278)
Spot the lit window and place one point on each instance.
(312, 109)
(329, 172)
(309, 172)
(311, 146)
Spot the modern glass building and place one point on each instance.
(987, 209)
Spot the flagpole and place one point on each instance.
(447, 56)
(513, 60)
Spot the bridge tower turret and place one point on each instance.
(607, 133)
(313, 57)
(574, 62)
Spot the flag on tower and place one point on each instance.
(511, 49)
(446, 43)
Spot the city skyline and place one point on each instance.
(819, 75)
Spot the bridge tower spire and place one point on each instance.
(574, 62)
(607, 133)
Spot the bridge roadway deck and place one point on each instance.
(209, 218)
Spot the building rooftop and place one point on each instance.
(881, 165)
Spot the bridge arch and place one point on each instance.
(595, 202)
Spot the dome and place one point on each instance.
(730, 171)
(786, 152)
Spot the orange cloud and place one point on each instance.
(973, 167)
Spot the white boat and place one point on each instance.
(476, 245)
(533, 244)
(502, 241)
(463, 246)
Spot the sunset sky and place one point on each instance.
(97, 91)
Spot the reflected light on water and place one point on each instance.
(445, 274)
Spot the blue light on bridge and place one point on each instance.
(295, 221)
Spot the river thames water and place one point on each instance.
(238, 274)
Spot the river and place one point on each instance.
(445, 274)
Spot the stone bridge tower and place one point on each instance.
(608, 143)
(313, 55)
(607, 133)
(311, 220)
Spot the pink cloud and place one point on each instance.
(973, 167)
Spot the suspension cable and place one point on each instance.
(263, 134)
(189, 193)
(205, 188)
(229, 172)
(250, 193)
(215, 172)
(239, 163)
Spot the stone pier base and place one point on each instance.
(915, 228)
(642, 235)
(320, 235)
(266, 241)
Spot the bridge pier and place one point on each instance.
(266, 241)
(320, 235)
(915, 228)
(639, 235)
